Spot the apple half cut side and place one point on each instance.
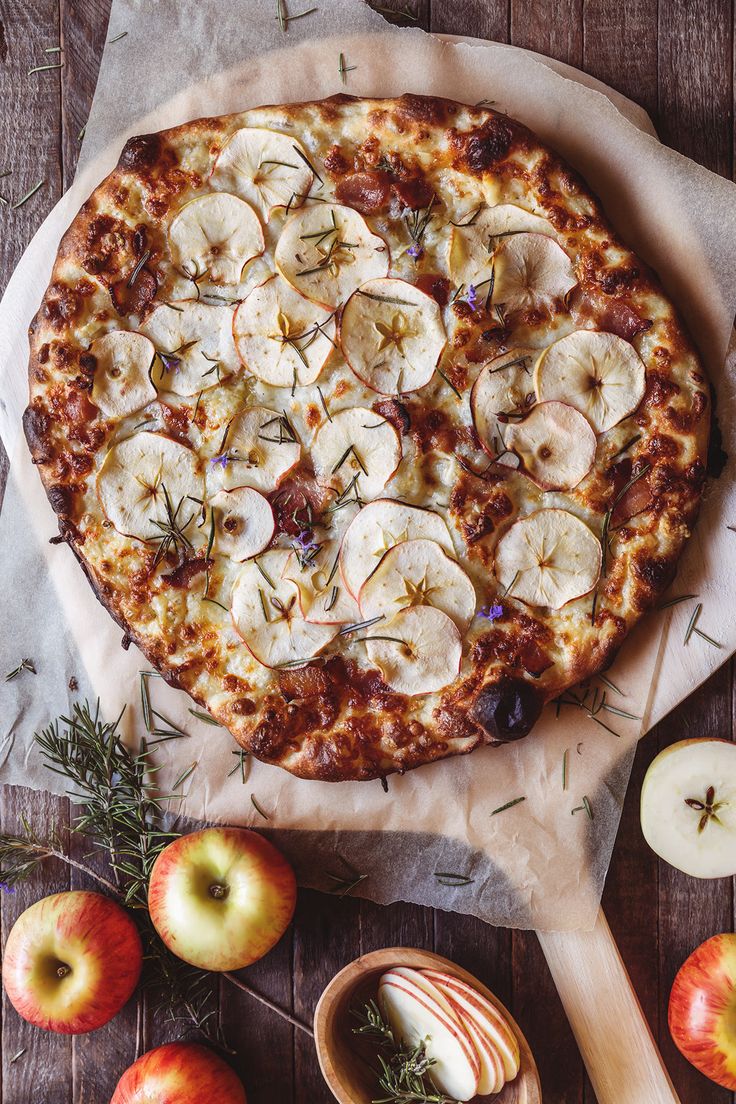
(417, 1018)
(418, 573)
(600, 374)
(326, 251)
(555, 444)
(265, 167)
(266, 614)
(491, 1076)
(379, 526)
(548, 558)
(392, 336)
(217, 234)
(257, 450)
(122, 379)
(688, 807)
(282, 338)
(470, 1004)
(195, 346)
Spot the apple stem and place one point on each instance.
(52, 853)
(218, 891)
(268, 1003)
(62, 970)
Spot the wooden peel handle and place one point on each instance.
(619, 1051)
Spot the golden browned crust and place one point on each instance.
(339, 720)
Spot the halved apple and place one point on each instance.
(122, 381)
(418, 573)
(600, 374)
(392, 335)
(258, 449)
(326, 251)
(416, 1018)
(504, 387)
(555, 444)
(323, 598)
(195, 347)
(266, 614)
(548, 558)
(530, 270)
(491, 1078)
(145, 478)
(356, 446)
(472, 245)
(244, 523)
(217, 234)
(281, 337)
(471, 1004)
(379, 526)
(688, 807)
(418, 651)
(267, 168)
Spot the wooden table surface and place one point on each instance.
(675, 58)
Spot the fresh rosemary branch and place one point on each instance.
(24, 665)
(404, 1073)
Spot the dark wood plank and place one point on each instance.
(326, 938)
(552, 27)
(83, 31)
(476, 18)
(615, 29)
(36, 1065)
(29, 125)
(695, 80)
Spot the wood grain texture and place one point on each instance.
(673, 57)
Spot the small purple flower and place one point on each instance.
(222, 460)
(471, 297)
(415, 251)
(306, 542)
(491, 613)
(7, 888)
(170, 362)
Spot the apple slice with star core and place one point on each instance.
(418, 573)
(418, 651)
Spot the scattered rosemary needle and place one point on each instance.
(52, 50)
(117, 38)
(564, 768)
(200, 715)
(82, 132)
(44, 68)
(344, 69)
(585, 807)
(28, 195)
(508, 805)
(676, 601)
(345, 885)
(17, 1056)
(447, 878)
(24, 665)
(258, 808)
(611, 685)
(449, 384)
(243, 756)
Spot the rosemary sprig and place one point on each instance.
(372, 1024)
(243, 757)
(24, 665)
(404, 1071)
(172, 531)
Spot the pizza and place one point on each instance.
(364, 425)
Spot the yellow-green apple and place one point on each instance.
(221, 898)
(179, 1073)
(71, 962)
(702, 1011)
(688, 807)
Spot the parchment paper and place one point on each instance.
(539, 863)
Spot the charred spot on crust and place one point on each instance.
(181, 576)
(61, 306)
(61, 500)
(656, 572)
(141, 152)
(366, 192)
(135, 299)
(507, 710)
(394, 412)
(423, 109)
(487, 145)
(35, 428)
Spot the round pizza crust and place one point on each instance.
(467, 249)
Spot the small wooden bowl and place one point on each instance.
(348, 1061)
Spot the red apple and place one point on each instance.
(71, 962)
(702, 1012)
(179, 1073)
(221, 898)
